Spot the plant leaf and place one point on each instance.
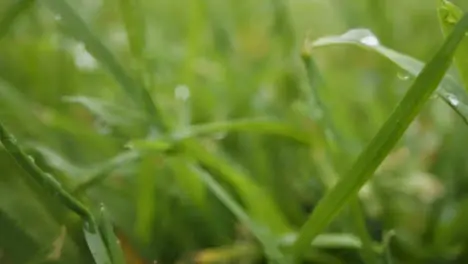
(388, 135)
(449, 90)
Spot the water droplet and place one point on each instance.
(370, 41)
(453, 100)
(129, 146)
(182, 92)
(83, 59)
(403, 76)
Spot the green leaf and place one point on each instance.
(449, 90)
(449, 15)
(389, 134)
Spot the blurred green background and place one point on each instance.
(206, 61)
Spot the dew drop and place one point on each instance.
(182, 92)
(370, 41)
(453, 100)
(403, 76)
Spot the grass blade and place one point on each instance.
(96, 245)
(109, 237)
(268, 241)
(450, 91)
(46, 180)
(13, 12)
(77, 27)
(449, 15)
(395, 126)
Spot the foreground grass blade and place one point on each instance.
(46, 180)
(450, 91)
(76, 27)
(388, 135)
(51, 185)
(449, 15)
(109, 237)
(97, 246)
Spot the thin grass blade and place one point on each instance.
(11, 14)
(449, 15)
(450, 91)
(268, 241)
(76, 27)
(389, 134)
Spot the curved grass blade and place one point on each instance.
(449, 90)
(449, 15)
(47, 181)
(11, 14)
(263, 126)
(51, 185)
(395, 126)
(77, 27)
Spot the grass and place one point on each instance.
(233, 132)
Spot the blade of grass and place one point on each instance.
(267, 239)
(76, 27)
(11, 14)
(47, 181)
(109, 237)
(449, 15)
(336, 156)
(395, 126)
(263, 126)
(54, 188)
(449, 90)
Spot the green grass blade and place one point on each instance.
(47, 181)
(11, 14)
(76, 27)
(267, 239)
(262, 126)
(450, 91)
(449, 15)
(260, 205)
(109, 237)
(395, 126)
(337, 146)
(96, 245)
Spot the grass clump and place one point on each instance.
(204, 132)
